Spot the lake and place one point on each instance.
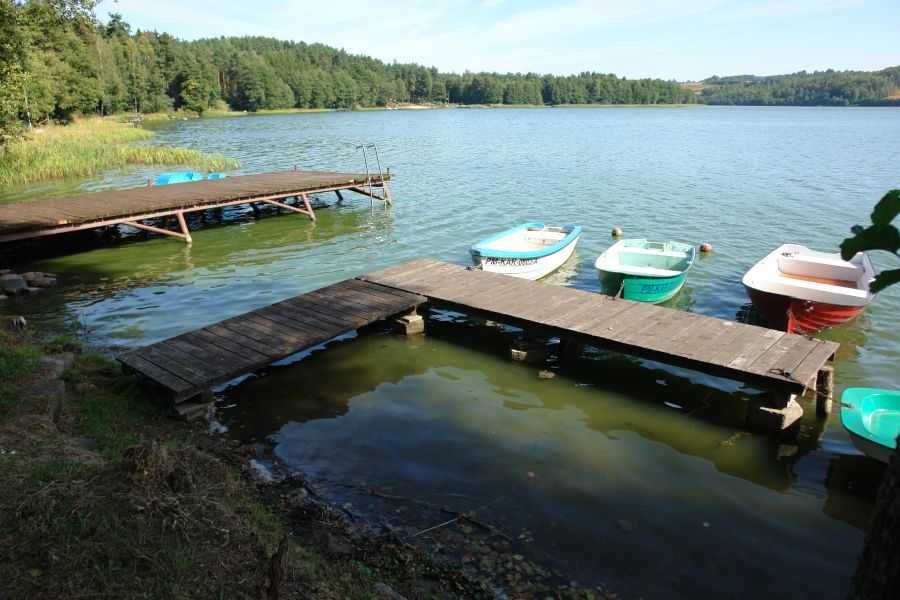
(624, 473)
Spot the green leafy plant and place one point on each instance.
(880, 235)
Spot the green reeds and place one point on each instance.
(90, 146)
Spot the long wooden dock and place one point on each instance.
(770, 358)
(133, 207)
(787, 364)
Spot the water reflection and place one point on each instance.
(568, 459)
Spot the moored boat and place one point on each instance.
(528, 251)
(805, 291)
(872, 418)
(645, 271)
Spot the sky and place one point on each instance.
(685, 40)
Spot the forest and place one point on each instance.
(57, 59)
(820, 88)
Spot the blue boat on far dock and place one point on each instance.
(184, 177)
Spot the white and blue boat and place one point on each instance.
(529, 251)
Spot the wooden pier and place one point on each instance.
(787, 364)
(288, 190)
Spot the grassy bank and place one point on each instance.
(90, 146)
(107, 497)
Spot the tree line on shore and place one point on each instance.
(57, 59)
(820, 88)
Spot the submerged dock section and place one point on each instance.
(134, 207)
(188, 365)
(786, 364)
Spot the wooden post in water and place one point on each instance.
(824, 390)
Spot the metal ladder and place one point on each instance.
(372, 196)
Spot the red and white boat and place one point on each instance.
(804, 291)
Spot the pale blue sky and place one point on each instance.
(671, 39)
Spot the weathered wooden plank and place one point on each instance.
(215, 360)
(313, 309)
(809, 366)
(232, 343)
(175, 362)
(237, 337)
(755, 348)
(386, 296)
(161, 376)
(774, 361)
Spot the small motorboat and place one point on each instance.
(529, 251)
(805, 291)
(645, 271)
(872, 418)
(184, 177)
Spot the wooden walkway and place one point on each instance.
(134, 206)
(765, 357)
(190, 364)
(787, 364)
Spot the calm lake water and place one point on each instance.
(624, 473)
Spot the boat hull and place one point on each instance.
(525, 268)
(800, 316)
(872, 418)
(870, 448)
(652, 290)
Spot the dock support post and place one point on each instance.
(410, 324)
(184, 228)
(306, 210)
(824, 390)
(339, 195)
(769, 419)
(184, 235)
(386, 192)
(570, 349)
(532, 351)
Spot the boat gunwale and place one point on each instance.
(852, 415)
(618, 269)
(479, 249)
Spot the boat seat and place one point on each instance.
(825, 267)
(649, 271)
(645, 251)
(805, 284)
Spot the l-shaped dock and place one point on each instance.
(189, 365)
(289, 190)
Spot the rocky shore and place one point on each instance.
(32, 282)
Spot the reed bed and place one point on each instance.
(90, 146)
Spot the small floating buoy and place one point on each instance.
(617, 232)
(705, 247)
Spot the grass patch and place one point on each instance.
(19, 358)
(111, 408)
(90, 146)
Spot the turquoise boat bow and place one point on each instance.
(872, 418)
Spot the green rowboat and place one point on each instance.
(872, 418)
(645, 271)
